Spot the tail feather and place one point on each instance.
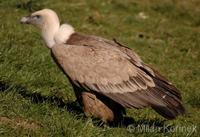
(171, 97)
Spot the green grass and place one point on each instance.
(35, 97)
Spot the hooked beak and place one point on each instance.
(25, 20)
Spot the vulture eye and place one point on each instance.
(37, 17)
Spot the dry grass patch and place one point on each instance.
(19, 122)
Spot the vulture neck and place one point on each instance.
(54, 33)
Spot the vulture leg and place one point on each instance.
(98, 106)
(107, 111)
(94, 107)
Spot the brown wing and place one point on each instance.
(106, 69)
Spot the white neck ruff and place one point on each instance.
(63, 34)
(57, 35)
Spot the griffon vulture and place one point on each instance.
(107, 77)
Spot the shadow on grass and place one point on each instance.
(37, 98)
(73, 107)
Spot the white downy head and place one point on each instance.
(48, 22)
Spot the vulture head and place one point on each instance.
(42, 19)
(48, 23)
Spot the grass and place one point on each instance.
(37, 100)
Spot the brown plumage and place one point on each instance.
(108, 77)
(99, 66)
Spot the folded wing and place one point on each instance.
(118, 75)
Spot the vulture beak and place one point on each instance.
(25, 20)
